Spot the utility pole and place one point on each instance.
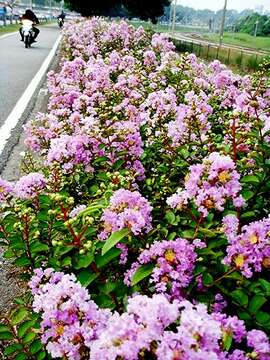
(31, 4)
(256, 28)
(174, 17)
(221, 33)
(170, 20)
(50, 10)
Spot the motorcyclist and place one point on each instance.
(61, 16)
(29, 15)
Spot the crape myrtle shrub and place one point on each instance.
(144, 228)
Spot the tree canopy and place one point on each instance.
(248, 24)
(143, 9)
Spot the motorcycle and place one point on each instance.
(28, 33)
(60, 22)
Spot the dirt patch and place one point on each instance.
(11, 285)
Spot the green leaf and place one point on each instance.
(29, 337)
(90, 210)
(247, 194)
(265, 285)
(240, 297)
(256, 303)
(21, 356)
(3, 328)
(84, 260)
(38, 247)
(67, 261)
(118, 164)
(188, 234)
(227, 341)
(62, 250)
(250, 179)
(114, 239)
(207, 279)
(22, 261)
(10, 349)
(105, 301)
(141, 273)
(18, 316)
(263, 317)
(248, 214)
(107, 288)
(86, 277)
(24, 327)
(164, 232)
(170, 217)
(110, 255)
(8, 254)
(6, 335)
(42, 355)
(199, 269)
(207, 232)
(172, 235)
(35, 346)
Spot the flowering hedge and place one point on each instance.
(144, 225)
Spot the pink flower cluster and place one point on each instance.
(75, 328)
(191, 122)
(95, 103)
(70, 320)
(174, 263)
(30, 186)
(6, 190)
(249, 251)
(127, 209)
(210, 185)
(133, 332)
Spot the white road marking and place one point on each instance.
(15, 115)
(9, 34)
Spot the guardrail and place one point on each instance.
(244, 60)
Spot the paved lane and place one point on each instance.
(18, 65)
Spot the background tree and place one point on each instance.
(248, 24)
(145, 10)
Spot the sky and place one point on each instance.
(218, 4)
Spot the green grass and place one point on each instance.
(165, 28)
(241, 39)
(15, 27)
(9, 28)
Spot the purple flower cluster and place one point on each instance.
(249, 251)
(173, 261)
(210, 185)
(30, 186)
(127, 335)
(6, 190)
(191, 122)
(70, 320)
(95, 103)
(75, 328)
(127, 209)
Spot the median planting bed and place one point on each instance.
(143, 229)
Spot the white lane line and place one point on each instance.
(15, 115)
(9, 34)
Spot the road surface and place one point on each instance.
(18, 65)
(21, 73)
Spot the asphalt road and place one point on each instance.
(18, 65)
